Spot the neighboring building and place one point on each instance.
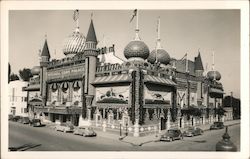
(149, 90)
(18, 98)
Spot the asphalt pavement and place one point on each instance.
(29, 138)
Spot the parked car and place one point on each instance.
(35, 123)
(171, 135)
(193, 131)
(25, 120)
(65, 127)
(84, 131)
(11, 116)
(16, 118)
(217, 125)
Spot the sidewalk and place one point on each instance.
(139, 141)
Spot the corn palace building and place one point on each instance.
(149, 91)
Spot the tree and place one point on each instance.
(25, 74)
(14, 77)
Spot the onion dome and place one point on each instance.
(214, 75)
(74, 44)
(35, 70)
(136, 49)
(162, 56)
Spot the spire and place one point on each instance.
(91, 36)
(158, 43)
(45, 51)
(213, 67)
(136, 14)
(76, 19)
(198, 62)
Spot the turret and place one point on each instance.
(90, 53)
(45, 58)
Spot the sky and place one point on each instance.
(182, 31)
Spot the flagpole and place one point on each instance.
(213, 68)
(186, 62)
(137, 25)
(158, 43)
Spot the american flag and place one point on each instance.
(76, 14)
(135, 14)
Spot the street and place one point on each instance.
(46, 139)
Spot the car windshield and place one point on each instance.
(36, 120)
(171, 131)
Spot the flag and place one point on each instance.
(184, 57)
(76, 14)
(135, 14)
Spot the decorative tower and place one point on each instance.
(90, 53)
(199, 70)
(44, 60)
(136, 52)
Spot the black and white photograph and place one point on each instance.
(125, 80)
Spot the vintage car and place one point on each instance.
(171, 135)
(25, 120)
(35, 123)
(192, 131)
(65, 127)
(84, 131)
(217, 125)
(16, 118)
(11, 117)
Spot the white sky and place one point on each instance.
(181, 31)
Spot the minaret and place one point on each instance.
(90, 53)
(44, 60)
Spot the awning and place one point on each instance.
(214, 90)
(33, 88)
(158, 80)
(112, 79)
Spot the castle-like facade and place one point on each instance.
(148, 91)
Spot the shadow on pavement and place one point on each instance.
(24, 147)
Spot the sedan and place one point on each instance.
(84, 131)
(171, 135)
(35, 123)
(217, 125)
(25, 120)
(193, 131)
(65, 127)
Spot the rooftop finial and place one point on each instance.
(136, 14)
(91, 15)
(76, 19)
(45, 36)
